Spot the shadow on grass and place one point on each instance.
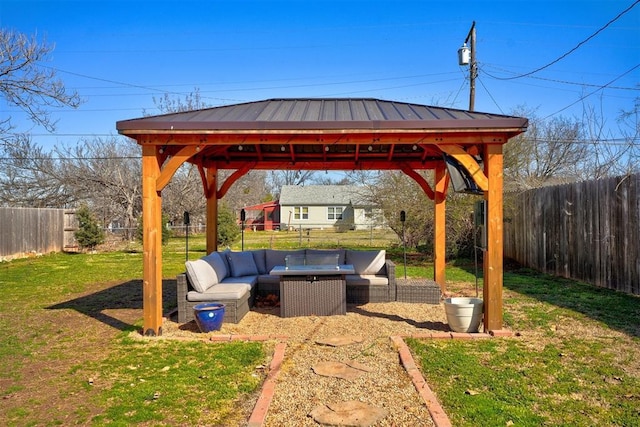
(123, 296)
(617, 310)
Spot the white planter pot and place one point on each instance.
(463, 314)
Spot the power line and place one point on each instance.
(561, 57)
(491, 96)
(566, 82)
(595, 91)
(85, 76)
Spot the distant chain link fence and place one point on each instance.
(311, 235)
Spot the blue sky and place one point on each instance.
(118, 55)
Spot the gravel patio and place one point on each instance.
(383, 382)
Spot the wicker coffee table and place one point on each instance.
(309, 290)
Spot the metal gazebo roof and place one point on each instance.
(320, 114)
(325, 134)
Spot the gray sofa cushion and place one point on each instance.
(218, 264)
(220, 291)
(242, 264)
(249, 281)
(201, 274)
(366, 280)
(366, 262)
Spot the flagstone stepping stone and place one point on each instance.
(348, 371)
(352, 413)
(340, 341)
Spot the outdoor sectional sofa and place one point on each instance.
(236, 278)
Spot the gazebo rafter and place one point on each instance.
(322, 134)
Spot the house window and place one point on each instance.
(301, 212)
(334, 213)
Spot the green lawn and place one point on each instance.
(575, 359)
(69, 355)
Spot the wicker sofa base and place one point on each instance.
(234, 309)
(418, 291)
(364, 294)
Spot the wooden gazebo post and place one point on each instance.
(151, 241)
(211, 190)
(493, 264)
(440, 241)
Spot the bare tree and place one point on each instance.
(326, 179)
(549, 152)
(27, 175)
(249, 190)
(184, 193)
(30, 177)
(629, 125)
(394, 191)
(105, 171)
(175, 104)
(288, 177)
(608, 155)
(28, 84)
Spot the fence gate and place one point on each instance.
(70, 227)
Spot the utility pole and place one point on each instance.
(465, 59)
(473, 68)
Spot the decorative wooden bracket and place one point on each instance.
(239, 173)
(173, 164)
(469, 163)
(420, 180)
(233, 178)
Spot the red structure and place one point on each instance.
(265, 216)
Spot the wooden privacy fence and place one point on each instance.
(588, 231)
(27, 231)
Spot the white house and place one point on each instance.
(324, 206)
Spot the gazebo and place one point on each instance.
(323, 134)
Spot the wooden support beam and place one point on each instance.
(330, 136)
(440, 241)
(493, 259)
(332, 163)
(212, 209)
(151, 242)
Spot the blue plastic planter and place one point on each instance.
(209, 316)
